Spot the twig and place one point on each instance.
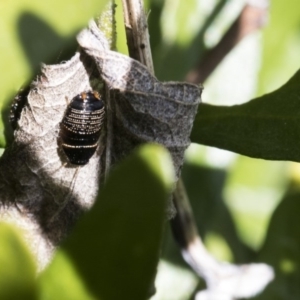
(224, 281)
(252, 17)
(107, 24)
(221, 278)
(109, 134)
(137, 32)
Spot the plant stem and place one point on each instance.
(252, 17)
(137, 32)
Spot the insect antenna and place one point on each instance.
(62, 205)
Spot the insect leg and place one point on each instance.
(68, 196)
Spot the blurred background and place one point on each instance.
(247, 210)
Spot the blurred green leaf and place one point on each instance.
(33, 32)
(32, 26)
(114, 249)
(205, 188)
(253, 191)
(17, 269)
(281, 45)
(266, 127)
(180, 36)
(282, 249)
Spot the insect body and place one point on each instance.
(81, 127)
(17, 106)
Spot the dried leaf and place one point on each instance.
(143, 109)
(35, 175)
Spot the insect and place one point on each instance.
(17, 106)
(81, 127)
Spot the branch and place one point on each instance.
(138, 43)
(137, 33)
(252, 17)
(234, 281)
(220, 277)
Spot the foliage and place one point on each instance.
(233, 210)
(113, 250)
(265, 127)
(17, 272)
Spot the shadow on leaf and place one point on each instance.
(41, 43)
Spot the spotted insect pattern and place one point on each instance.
(81, 127)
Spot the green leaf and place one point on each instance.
(282, 248)
(281, 43)
(32, 27)
(17, 269)
(114, 249)
(266, 127)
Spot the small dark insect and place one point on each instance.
(81, 127)
(17, 106)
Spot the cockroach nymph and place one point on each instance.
(17, 107)
(81, 127)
